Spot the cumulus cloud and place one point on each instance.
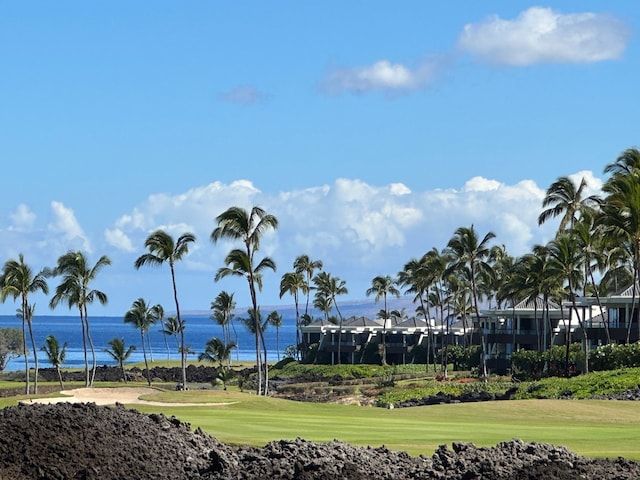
(65, 226)
(383, 76)
(244, 95)
(543, 35)
(22, 219)
(118, 239)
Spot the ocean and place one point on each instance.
(199, 329)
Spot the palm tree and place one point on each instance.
(218, 351)
(236, 223)
(567, 261)
(470, 254)
(158, 313)
(76, 274)
(564, 198)
(162, 248)
(141, 316)
(120, 353)
(381, 286)
(275, 319)
(223, 307)
(307, 267)
(328, 288)
(55, 355)
(293, 283)
(17, 280)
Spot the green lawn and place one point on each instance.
(592, 428)
(595, 428)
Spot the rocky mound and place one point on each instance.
(85, 441)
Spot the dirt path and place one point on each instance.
(109, 396)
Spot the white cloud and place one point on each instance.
(383, 76)
(65, 226)
(118, 239)
(244, 95)
(23, 218)
(542, 35)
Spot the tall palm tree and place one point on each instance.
(163, 249)
(471, 254)
(74, 289)
(55, 354)
(223, 307)
(120, 353)
(381, 286)
(141, 315)
(307, 267)
(293, 283)
(275, 319)
(158, 313)
(329, 287)
(248, 227)
(564, 198)
(18, 281)
(567, 260)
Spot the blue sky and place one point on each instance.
(371, 130)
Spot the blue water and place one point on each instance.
(199, 329)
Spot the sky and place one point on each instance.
(372, 130)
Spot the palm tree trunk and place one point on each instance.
(60, 377)
(84, 348)
(144, 354)
(339, 333)
(24, 353)
(93, 350)
(35, 357)
(183, 352)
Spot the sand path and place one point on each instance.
(109, 396)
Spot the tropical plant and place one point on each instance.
(248, 227)
(74, 289)
(55, 354)
(217, 351)
(275, 319)
(18, 281)
(163, 249)
(381, 286)
(307, 267)
(223, 307)
(120, 353)
(328, 287)
(141, 315)
(10, 345)
(470, 254)
(564, 198)
(294, 283)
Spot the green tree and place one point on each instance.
(223, 307)
(120, 353)
(293, 283)
(18, 281)
(248, 227)
(74, 289)
(381, 286)
(307, 267)
(141, 315)
(275, 319)
(55, 354)
(163, 249)
(328, 287)
(10, 345)
(469, 253)
(564, 198)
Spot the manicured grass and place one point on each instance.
(593, 428)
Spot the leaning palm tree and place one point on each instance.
(248, 227)
(120, 353)
(470, 255)
(141, 316)
(381, 286)
(55, 354)
(163, 249)
(74, 289)
(18, 281)
(158, 313)
(172, 328)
